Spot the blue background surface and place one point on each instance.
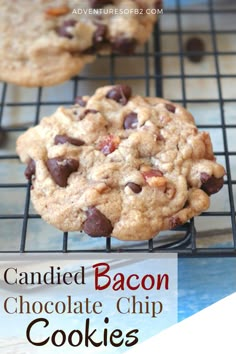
(202, 282)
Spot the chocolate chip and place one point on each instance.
(3, 137)
(62, 31)
(170, 107)
(70, 23)
(97, 223)
(158, 5)
(62, 139)
(211, 184)
(195, 49)
(120, 94)
(159, 137)
(90, 50)
(186, 205)
(97, 4)
(79, 100)
(61, 168)
(30, 169)
(136, 188)
(99, 36)
(84, 113)
(131, 121)
(174, 222)
(99, 39)
(204, 177)
(122, 45)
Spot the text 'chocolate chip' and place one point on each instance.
(61, 168)
(97, 223)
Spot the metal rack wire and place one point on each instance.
(186, 244)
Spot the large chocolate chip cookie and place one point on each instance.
(120, 165)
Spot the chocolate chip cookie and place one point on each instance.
(46, 42)
(120, 165)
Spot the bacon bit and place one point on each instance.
(57, 11)
(159, 137)
(174, 222)
(157, 182)
(109, 144)
(154, 178)
(145, 168)
(101, 187)
(149, 173)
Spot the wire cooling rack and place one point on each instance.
(160, 68)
